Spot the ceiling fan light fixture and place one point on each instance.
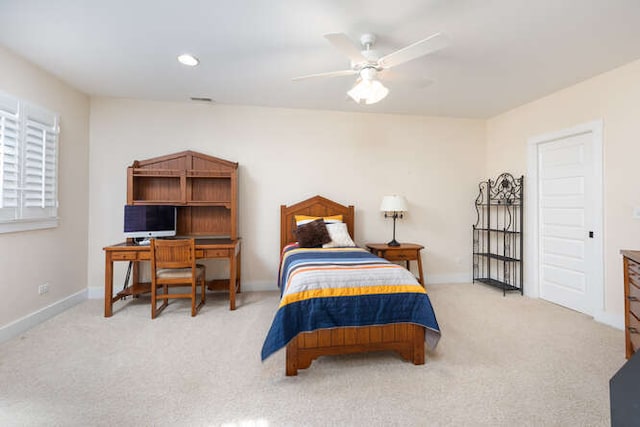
(368, 91)
(367, 63)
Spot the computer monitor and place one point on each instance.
(143, 222)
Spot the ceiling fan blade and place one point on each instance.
(420, 48)
(345, 45)
(328, 74)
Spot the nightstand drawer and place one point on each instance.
(401, 255)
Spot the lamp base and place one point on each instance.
(394, 242)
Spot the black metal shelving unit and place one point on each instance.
(497, 233)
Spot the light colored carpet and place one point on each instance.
(502, 361)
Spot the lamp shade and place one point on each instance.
(393, 203)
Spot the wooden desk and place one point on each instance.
(405, 252)
(205, 249)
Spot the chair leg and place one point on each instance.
(203, 297)
(203, 283)
(193, 298)
(155, 310)
(166, 298)
(153, 301)
(195, 305)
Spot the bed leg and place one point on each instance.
(292, 358)
(418, 345)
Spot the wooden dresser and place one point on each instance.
(631, 263)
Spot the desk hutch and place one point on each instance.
(204, 188)
(205, 191)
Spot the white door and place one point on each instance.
(569, 262)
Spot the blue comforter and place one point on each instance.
(338, 287)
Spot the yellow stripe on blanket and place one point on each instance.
(350, 292)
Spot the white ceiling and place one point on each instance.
(502, 53)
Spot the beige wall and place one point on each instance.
(58, 255)
(286, 156)
(613, 97)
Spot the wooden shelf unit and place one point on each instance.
(204, 188)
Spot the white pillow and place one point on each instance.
(339, 236)
(305, 219)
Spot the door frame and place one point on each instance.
(595, 291)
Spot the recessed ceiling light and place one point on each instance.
(188, 59)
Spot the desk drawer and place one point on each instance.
(401, 255)
(213, 253)
(124, 256)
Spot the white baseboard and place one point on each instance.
(254, 286)
(27, 322)
(614, 320)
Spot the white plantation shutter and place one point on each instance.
(9, 158)
(29, 144)
(39, 165)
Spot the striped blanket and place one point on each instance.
(337, 287)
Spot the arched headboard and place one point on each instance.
(315, 206)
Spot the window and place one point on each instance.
(28, 166)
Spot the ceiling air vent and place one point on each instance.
(201, 99)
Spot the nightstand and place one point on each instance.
(405, 252)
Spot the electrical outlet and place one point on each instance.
(636, 212)
(43, 289)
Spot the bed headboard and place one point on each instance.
(315, 206)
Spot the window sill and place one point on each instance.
(27, 225)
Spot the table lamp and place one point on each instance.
(393, 207)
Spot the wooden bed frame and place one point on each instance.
(407, 339)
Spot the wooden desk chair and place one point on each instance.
(173, 263)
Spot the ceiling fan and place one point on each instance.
(367, 63)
